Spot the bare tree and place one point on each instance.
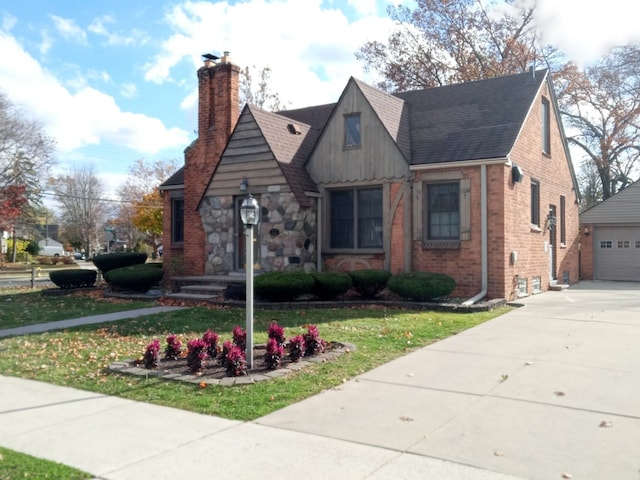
(83, 208)
(26, 155)
(260, 93)
(450, 41)
(601, 107)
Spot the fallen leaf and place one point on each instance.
(498, 453)
(567, 475)
(606, 424)
(406, 419)
(559, 393)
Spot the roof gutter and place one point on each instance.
(464, 163)
(483, 237)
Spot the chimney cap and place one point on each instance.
(210, 56)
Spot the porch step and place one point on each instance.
(203, 287)
(190, 296)
(558, 287)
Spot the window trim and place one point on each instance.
(442, 242)
(355, 219)
(535, 204)
(347, 117)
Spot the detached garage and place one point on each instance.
(610, 235)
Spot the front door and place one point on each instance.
(241, 239)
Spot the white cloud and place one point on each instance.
(128, 90)
(69, 30)
(83, 117)
(98, 27)
(585, 32)
(310, 61)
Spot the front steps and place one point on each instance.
(203, 287)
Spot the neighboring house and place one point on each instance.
(472, 180)
(611, 237)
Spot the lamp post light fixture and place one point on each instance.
(250, 215)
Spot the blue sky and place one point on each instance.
(115, 81)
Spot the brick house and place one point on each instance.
(473, 180)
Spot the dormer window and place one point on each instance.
(294, 129)
(352, 130)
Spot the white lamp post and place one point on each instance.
(250, 215)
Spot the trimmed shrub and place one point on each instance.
(370, 282)
(138, 278)
(76, 278)
(111, 261)
(421, 286)
(329, 285)
(282, 286)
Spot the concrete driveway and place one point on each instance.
(550, 390)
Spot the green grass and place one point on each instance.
(20, 307)
(79, 357)
(18, 466)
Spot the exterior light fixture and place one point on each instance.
(244, 184)
(551, 220)
(587, 231)
(250, 215)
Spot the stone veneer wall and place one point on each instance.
(287, 234)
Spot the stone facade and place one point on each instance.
(286, 235)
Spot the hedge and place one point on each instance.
(282, 286)
(76, 278)
(369, 282)
(137, 278)
(111, 261)
(421, 286)
(329, 285)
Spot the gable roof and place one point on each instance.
(392, 112)
(290, 142)
(469, 121)
(623, 207)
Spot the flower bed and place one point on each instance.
(207, 362)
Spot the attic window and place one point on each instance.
(352, 130)
(294, 129)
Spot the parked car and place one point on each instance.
(52, 251)
(160, 251)
(79, 256)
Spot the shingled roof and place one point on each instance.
(469, 121)
(291, 143)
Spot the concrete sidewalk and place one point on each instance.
(549, 390)
(75, 322)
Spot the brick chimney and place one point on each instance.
(218, 111)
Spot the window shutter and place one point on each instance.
(465, 209)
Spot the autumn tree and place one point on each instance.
(26, 155)
(83, 209)
(601, 108)
(440, 42)
(148, 217)
(140, 192)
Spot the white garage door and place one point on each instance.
(617, 253)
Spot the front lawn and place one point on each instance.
(79, 357)
(18, 466)
(19, 307)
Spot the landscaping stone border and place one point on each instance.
(126, 367)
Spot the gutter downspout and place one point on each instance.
(483, 237)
